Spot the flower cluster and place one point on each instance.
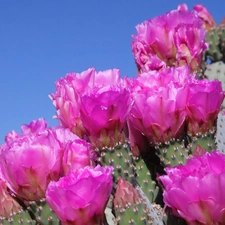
(173, 39)
(94, 104)
(118, 136)
(31, 161)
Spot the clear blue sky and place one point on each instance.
(42, 40)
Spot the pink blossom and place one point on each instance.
(165, 40)
(77, 155)
(203, 104)
(190, 43)
(80, 197)
(195, 191)
(10, 136)
(66, 99)
(103, 113)
(8, 205)
(159, 109)
(203, 13)
(35, 126)
(31, 160)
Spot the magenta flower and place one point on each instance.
(35, 126)
(203, 13)
(174, 39)
(195, 191)
(77, 155)
(190, 43)
(31, 160)
(8, 205)
(203, 104)
(159, 109)
(80, 197)
(103, 113)
(66, 99)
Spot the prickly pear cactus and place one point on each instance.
(220, 136)
(172, 153)
(216, 71)
(120, 158)
(144, 179)
(36, 213)
(216, 39)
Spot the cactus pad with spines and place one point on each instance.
(120, 157)
(37, 213)
(144, 179)
(220, 135)
(216, 71)
(172, 153)
(216, 39)
(141, 213)
(205, 141)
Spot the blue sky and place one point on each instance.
(42, 40)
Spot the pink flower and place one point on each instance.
(159, 104)
(80, 197)
(31, 160)
(103, 114)
(165, 40)
(195, 191)
(34, 127)
(190, 43)
(203, 104)
(203, 13)
(29, 163)
(66, 99)
(8, 205)
(77, 155)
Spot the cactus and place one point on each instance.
(220, 139)
(43, 213)
(131, 206)
(216, 39)
(21, 218)
(216, 71)
(205, 141)
(120, 157)
(213, 53)
(144, 179)
(172, 153)
(35, 213)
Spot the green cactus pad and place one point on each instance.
(206, 141)
(144, 180)
(216, 71)
(143, 213)
(22, 218)
(220, 134)
(215, 38)
(172, 153)
(43, 213)
(120, 157)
